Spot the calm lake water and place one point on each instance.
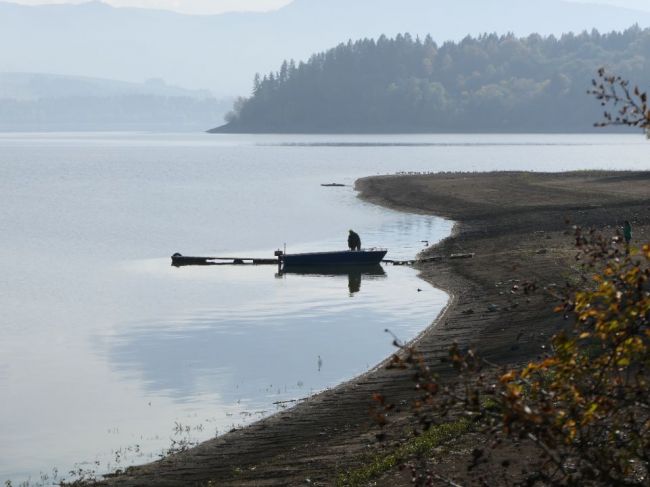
(109, 356)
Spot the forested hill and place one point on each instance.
(491, 83)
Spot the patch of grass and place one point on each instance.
(419, 445)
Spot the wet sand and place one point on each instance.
(518, 226)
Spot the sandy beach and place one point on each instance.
(518, 226)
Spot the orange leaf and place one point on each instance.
(509, 377)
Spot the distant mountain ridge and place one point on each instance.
(223, 52)
(43, 102)
(32, 86)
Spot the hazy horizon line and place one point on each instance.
(161, 5)
(202, 8)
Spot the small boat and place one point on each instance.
(341, 257)
(333, 185)
(363, 257)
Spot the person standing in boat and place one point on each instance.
(354, 241)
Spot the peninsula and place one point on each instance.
(486, 84)
(518, 225)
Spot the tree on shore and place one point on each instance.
(631, 104)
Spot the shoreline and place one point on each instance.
(514, 223)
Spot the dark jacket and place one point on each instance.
(354, 241)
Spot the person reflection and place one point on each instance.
(354, 282)
(355, 274)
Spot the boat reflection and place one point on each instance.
(355, 273)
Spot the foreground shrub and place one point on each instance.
(584, 407)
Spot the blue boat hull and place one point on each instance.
(345, 257)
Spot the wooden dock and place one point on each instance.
(179, 260)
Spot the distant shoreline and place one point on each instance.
(515, 225)
(235, 130)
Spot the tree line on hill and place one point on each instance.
(490, 83)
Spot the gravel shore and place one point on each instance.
(518, 226)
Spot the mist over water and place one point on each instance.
(109, 354)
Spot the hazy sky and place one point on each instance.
(637, 4)
(185, 6)
(219, 6)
